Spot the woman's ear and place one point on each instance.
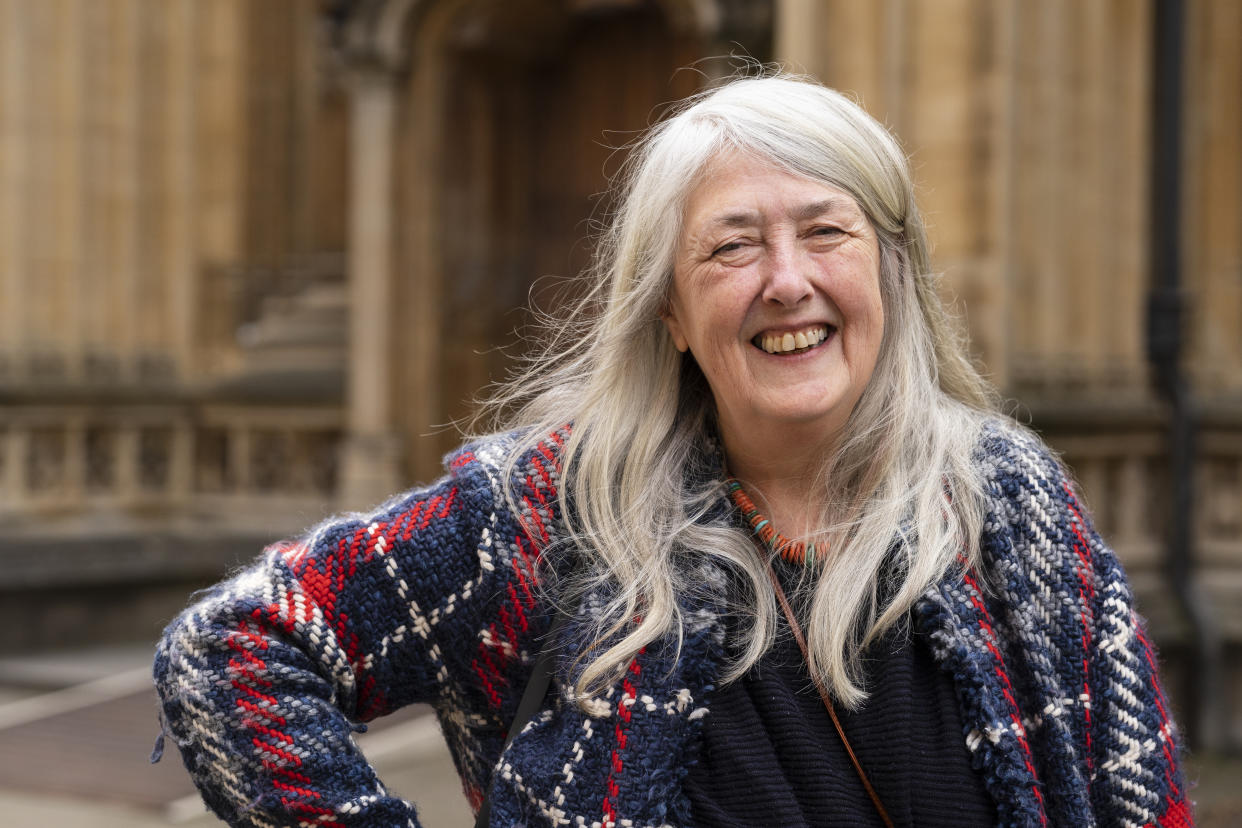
(669, 317)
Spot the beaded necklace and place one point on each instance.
(795, 552)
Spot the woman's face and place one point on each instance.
(776, 293)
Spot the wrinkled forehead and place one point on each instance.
(734, 188)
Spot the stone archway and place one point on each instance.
(492, 125)
(531, 111)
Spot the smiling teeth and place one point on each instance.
(794, 341)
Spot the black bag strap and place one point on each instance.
(532, 699)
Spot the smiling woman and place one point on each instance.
(760, 394)
(776, 294)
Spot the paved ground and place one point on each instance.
(76, 731)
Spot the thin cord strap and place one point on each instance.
(532, 700)
(823, 694)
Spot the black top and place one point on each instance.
(771, 756)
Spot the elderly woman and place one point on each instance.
(806, 574)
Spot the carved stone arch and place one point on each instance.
(701, 17)
(386, 30)
(725, 23)
(374, 32)
(499, 114)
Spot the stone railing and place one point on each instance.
(158, 460)
(1120, 459)
(113, 510)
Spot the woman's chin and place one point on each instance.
(810, 419)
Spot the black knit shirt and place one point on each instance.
(770, 755)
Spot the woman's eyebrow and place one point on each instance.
(814, 209)
(827, 205)
(742, 218)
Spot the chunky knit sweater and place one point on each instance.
(431, 597)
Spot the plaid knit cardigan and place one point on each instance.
(432, 598)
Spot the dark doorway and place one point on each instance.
(537, 99)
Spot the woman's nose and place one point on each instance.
(786, 282)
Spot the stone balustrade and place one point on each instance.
(65, 459)
(1121, 464)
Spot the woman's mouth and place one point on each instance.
(794, 341)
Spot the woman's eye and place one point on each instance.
(827, 231)
(728, 247)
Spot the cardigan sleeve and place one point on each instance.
(261, 681)
(1135, 761)
(1089, 713)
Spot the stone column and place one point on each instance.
(371, 452)
(1213, 197)
(123, 220)
(14, 164)
(183, 290)
(15, 485)
(70, 269)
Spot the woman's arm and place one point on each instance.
(261, 679)
(1063, 701)
(1093, 686)
(1135, 764)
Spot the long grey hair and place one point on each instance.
(899, 497)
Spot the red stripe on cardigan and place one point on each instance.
(617, 766)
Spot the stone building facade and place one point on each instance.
(256, 257)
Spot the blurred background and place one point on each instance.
(256, 254)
